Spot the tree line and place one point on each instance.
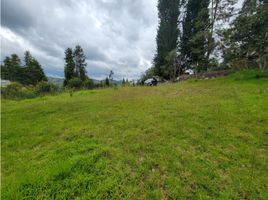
(197, 35)
(29, 80)
(28, 73)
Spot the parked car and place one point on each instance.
(189, 72)
(150, 82)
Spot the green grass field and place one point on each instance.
(200, 139)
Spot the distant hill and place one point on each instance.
(117, 82)
(114, 81)
(56, 81)
(59, 81)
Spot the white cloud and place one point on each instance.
(116, 35)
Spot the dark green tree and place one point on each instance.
(245, 43)
(11, 69)
(107, 82)
(167, 34)
(27, 58)
(171, 67)
(75, 83)
(33, 72)
(69, 69)
(80, 63)
(15, 60)
(194, 39)
(7, 61)
(88, 83)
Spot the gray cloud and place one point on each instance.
(116, 35)
(15, 15)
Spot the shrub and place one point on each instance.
(88, 84)
(17, 91)
(75, 83)
(46, 88)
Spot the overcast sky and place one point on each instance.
(116, 35)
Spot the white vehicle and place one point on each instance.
(150, 82)
(189, 71)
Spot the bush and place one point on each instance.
(17, 91)
(46, 88)
(88, 84)
(75, 83)
(246, 75)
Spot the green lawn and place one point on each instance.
(200, 139)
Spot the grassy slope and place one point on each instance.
(197, 140)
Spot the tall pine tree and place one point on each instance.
(167, 35)
(33, 71)
(80, 63)
(75, 64)
(194, 39)
(69, 69)
(27, 58)
(11, 70)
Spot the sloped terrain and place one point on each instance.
(200, 139)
